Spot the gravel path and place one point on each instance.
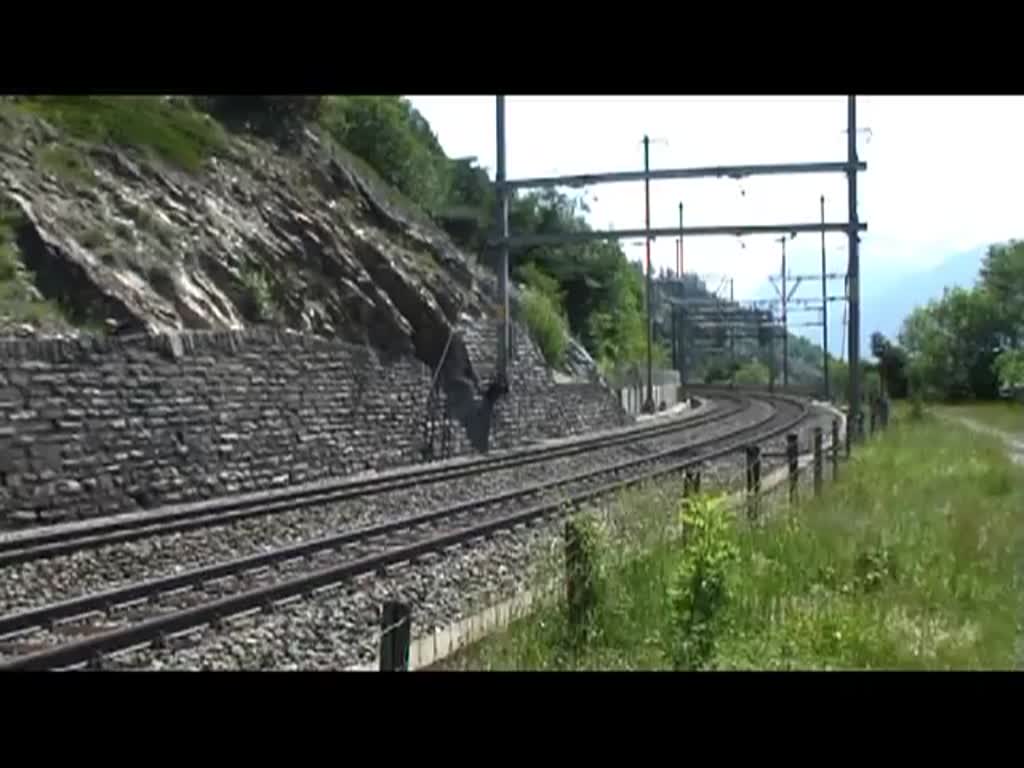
(339, 628)
(37, 583)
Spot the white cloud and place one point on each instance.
(943, 172)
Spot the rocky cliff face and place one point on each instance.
(298, 238)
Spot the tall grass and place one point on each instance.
(910, 561)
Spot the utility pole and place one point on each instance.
(785, 327)
(732, 337)
(681, 265)
(500, 178)
(649, 404)
(681, 337)
(854, 267)
(824, 307)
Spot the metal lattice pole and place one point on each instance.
(649, 404)
(503, 248)
(854, 267)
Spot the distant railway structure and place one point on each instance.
(505, 241)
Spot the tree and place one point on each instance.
(393, 137)
(752, 372)
(275, 115)
(1002, 277)
(952, 344)
(1010, 369)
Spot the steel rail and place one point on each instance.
(34, 617)
(47, 543)
(84, 649)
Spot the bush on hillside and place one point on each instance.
(546, 324)
(753, 372)
(390, 135)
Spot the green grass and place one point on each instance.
(171, 129)
(1006, 416)
(910, 561)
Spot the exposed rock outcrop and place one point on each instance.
(259, 234)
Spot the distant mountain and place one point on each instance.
(886, 310)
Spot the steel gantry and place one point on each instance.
(505, 241)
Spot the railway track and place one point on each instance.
(50, 542)
(78, 631)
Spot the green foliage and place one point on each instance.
(583, 578)
(700, 590)
(275, 115)
(752, 372)
(955, 344)
(952, 344)
(1002, 277)
(390, 135)
(1010, 368)
(909, 561)
(257, 303)
(546, 324)
(602, 293)
(170, 128)
(18, 303)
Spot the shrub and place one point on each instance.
(547, 325)
(700, 590)
(753, 372)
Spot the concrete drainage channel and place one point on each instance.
(429, 650)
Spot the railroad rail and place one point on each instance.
(49, 542)
(81, 630)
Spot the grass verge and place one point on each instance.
(910, 561)
(170, 128)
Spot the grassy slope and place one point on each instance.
(1008, 417)
(909, 561)
(169, 128)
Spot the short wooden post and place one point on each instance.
(884, 412)
(874, 419)
(793, 459)
(819, 461)
(696, 481)
(579, 580)
(753, 479)
(396, 630)
(687, 483)
(835, 450)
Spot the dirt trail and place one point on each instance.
(1014, 441)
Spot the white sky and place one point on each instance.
(944, 173)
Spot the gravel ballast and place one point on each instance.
(339, 628)
(36, 583)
